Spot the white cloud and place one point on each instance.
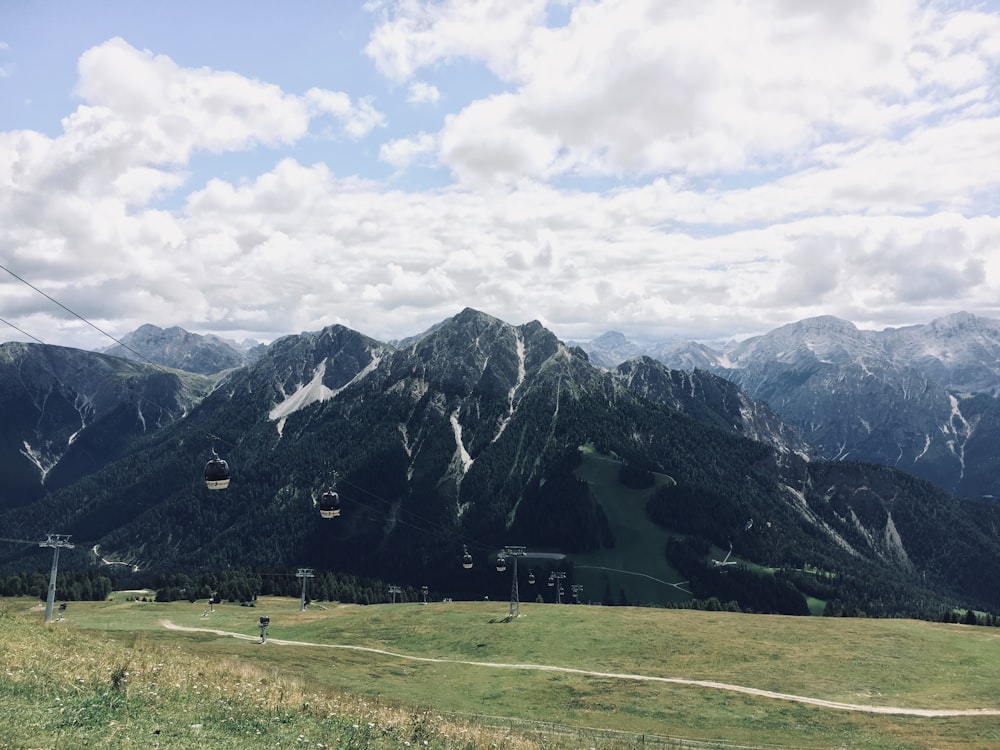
(171, 111)
(358, 120)
(423, 93)
(569, 259)
(415, 35)
(707, 87)
(403, 152)
(745, 165)
(143, 119)
(74, 209)
(486, 143)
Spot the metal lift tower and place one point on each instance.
(305, 574)
(56, 541)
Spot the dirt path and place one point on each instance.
(896, 711)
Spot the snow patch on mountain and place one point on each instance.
(514, 388)
(84, 406)
(408, 447)
(304, 395)
(961, 429)
(463, 455)
(314, 391)
(43, 466)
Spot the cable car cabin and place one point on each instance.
(217, 474)
(466, 561)
(501, 565)
(329, 505)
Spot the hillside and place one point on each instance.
(469, 437)
(923, 398)
(449, 674)
(68, 413)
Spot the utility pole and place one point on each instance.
(393, 589)
(55, 541)
(304, 574)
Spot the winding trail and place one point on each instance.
(891, 710)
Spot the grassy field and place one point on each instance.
(636, 565)
(112, 675)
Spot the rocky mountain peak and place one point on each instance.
(959, 321)
(823, 339)
(180, 349)
(610, 349)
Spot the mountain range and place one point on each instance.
(472, 437)
(921, 398)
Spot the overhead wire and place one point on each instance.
(18, 541)
(77, 315)
(22, 331)
(137, 353)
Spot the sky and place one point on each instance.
(691, 169)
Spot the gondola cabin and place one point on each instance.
(329, 505)
(466, 561)
(216, 474)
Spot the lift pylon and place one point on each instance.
(56, 541)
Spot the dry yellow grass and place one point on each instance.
(64, 687)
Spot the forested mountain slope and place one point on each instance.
(469, 437)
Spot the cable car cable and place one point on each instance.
(216, 470)
(75, 314)
(21, 330)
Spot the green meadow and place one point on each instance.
(461, 675)
(637, 568)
